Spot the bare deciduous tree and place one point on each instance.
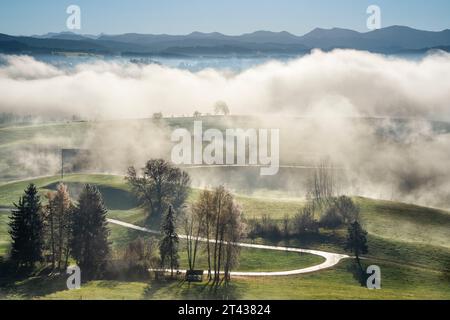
(322, 185)
(58, 219)
(304, 221)
(193, 223)
(219, 221)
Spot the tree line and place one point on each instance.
(216, 218)
(338, 212)
(54, 233)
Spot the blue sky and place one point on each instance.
(27, 17)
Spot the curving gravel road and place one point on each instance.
(331, 259)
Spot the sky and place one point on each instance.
(29, 17)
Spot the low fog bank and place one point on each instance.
(341, 82)
(402, 160)
(339, 106)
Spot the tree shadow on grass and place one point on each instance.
(183, 290)
(358, 272)
(152, 221)
(25, 284)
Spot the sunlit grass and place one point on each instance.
(410, 243)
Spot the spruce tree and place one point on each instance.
(357, 240)
(26, 229)
(89, 241)
(168, 247)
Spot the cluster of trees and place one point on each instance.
(339, 211)
(215, 217)
(220, 108)
(163, 190)
(60, 230)
(335, 213)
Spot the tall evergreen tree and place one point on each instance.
(89, 242)
(357, 240)
(26, 229)
(168, 247)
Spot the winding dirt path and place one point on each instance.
(331, 259)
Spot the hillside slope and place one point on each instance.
(413, 265)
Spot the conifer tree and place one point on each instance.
(26, 229)
(168, 246)
(89, 241)
(357, 240)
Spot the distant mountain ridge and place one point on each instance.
(394, 39)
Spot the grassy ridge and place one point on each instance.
(405, 222)
(111, 185)
(413, 259)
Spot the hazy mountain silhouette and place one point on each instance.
(394, 39)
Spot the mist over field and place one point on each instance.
(341, 82)
(319, 103)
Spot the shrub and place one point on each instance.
(304, 221)
(331, 219)
(340, 211)
(347, 209)
(266, 228)
(138, 257)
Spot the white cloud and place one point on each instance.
(342, 82)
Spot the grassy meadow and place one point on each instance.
(413, 265)
(410, 243)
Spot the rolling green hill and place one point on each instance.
(409, 243)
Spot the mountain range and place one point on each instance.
(394, 39)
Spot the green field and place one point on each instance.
(4, 236)
(409, 243)
(399, 282)
(403, 222)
